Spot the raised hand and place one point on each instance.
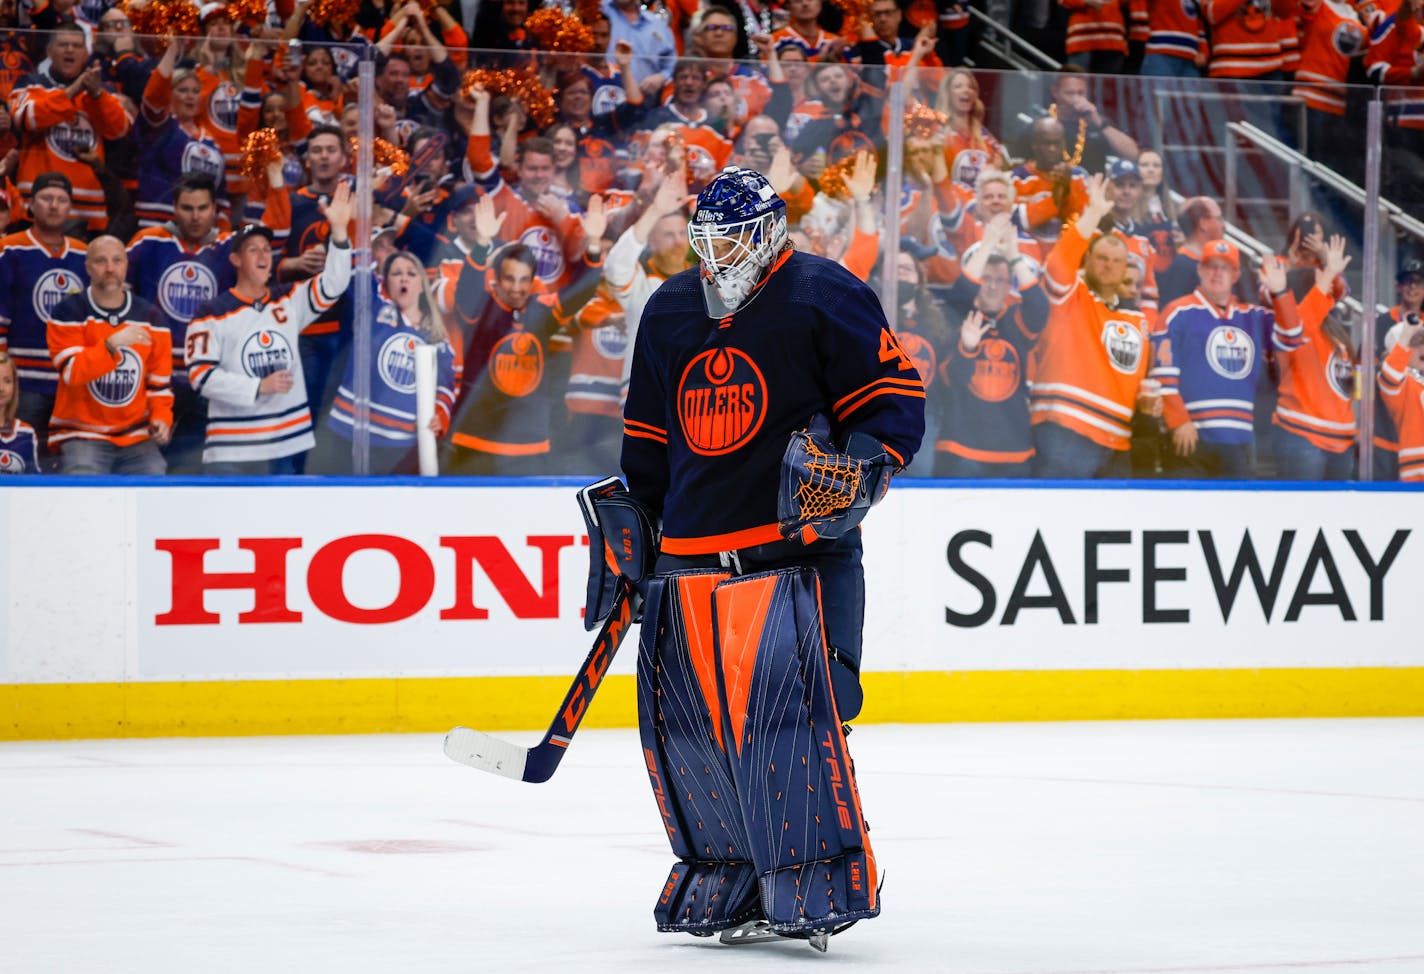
(860, 181)
(671, 193)
(594, 219)
(487, 221)
(1273, 273)
(973, 329)
(1333, 257)
(338, 212)
(781, 174)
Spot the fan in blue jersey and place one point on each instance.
(768, 404)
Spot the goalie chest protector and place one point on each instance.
(711, 404)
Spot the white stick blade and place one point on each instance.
(479, 750)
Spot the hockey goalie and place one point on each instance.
(769, 405)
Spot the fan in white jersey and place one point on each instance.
(242, 352)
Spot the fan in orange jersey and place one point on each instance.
(805, 32)
(114, 408)
(1245, 39)
(1401, 386)
(1097, 35)
(1332, 36)
(1092, 357)
(62, 110)
(969, 147)
(1315, 415)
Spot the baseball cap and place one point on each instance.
(49, 180)
(1413, 267)
(1123, 169)
(246, 232)
(463, 197)
(1222, 250)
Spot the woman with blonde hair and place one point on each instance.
(17, 438)
(969, 147)
(406, 316)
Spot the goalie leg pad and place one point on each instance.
(787, 750)
(681, 726)
(701, 898)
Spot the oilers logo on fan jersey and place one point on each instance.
(721, 401)
(266, 352)
(1348, 39)
(1230, 352)
(11, 462)
(610, 342)
(1340, 373)
(205, 158)
(396, 363)
(997, 370)
(222, 106)
(548, 252)
(607, 97)
(184, 288)
(516, 364)
(119, 387)
(68, 139)
(1123, 343)
(53, 287)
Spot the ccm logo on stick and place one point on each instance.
(194, 571)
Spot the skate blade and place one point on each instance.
(751, 932)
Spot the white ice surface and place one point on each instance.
(1114, 848)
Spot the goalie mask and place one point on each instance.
(738, 232)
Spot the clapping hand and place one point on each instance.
(973, 329)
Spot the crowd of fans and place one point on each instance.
(174, 295)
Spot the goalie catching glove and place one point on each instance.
(825, 492)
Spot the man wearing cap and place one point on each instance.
(39, 268)
(182, 266)
(1209, 357)
(1125, 191)
(242, 352)
(65, 106)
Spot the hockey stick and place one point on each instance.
(538, 763)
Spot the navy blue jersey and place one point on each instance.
(984, 413)
(712, 404)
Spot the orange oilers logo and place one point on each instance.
(997, 372)
(1124, 345)
(516, 365)
(721, 401)
(921, 353)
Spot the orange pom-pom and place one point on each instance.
(390, 157)
(335, 13)
(260, 150)
(253, 13)
(164, 18)
(552, 30)
(520, 84)
(833, 178)
(923, 122)
(588, 11)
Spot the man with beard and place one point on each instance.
(1093, 354)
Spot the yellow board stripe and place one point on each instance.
(55, 711)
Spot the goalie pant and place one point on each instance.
(746, 752)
